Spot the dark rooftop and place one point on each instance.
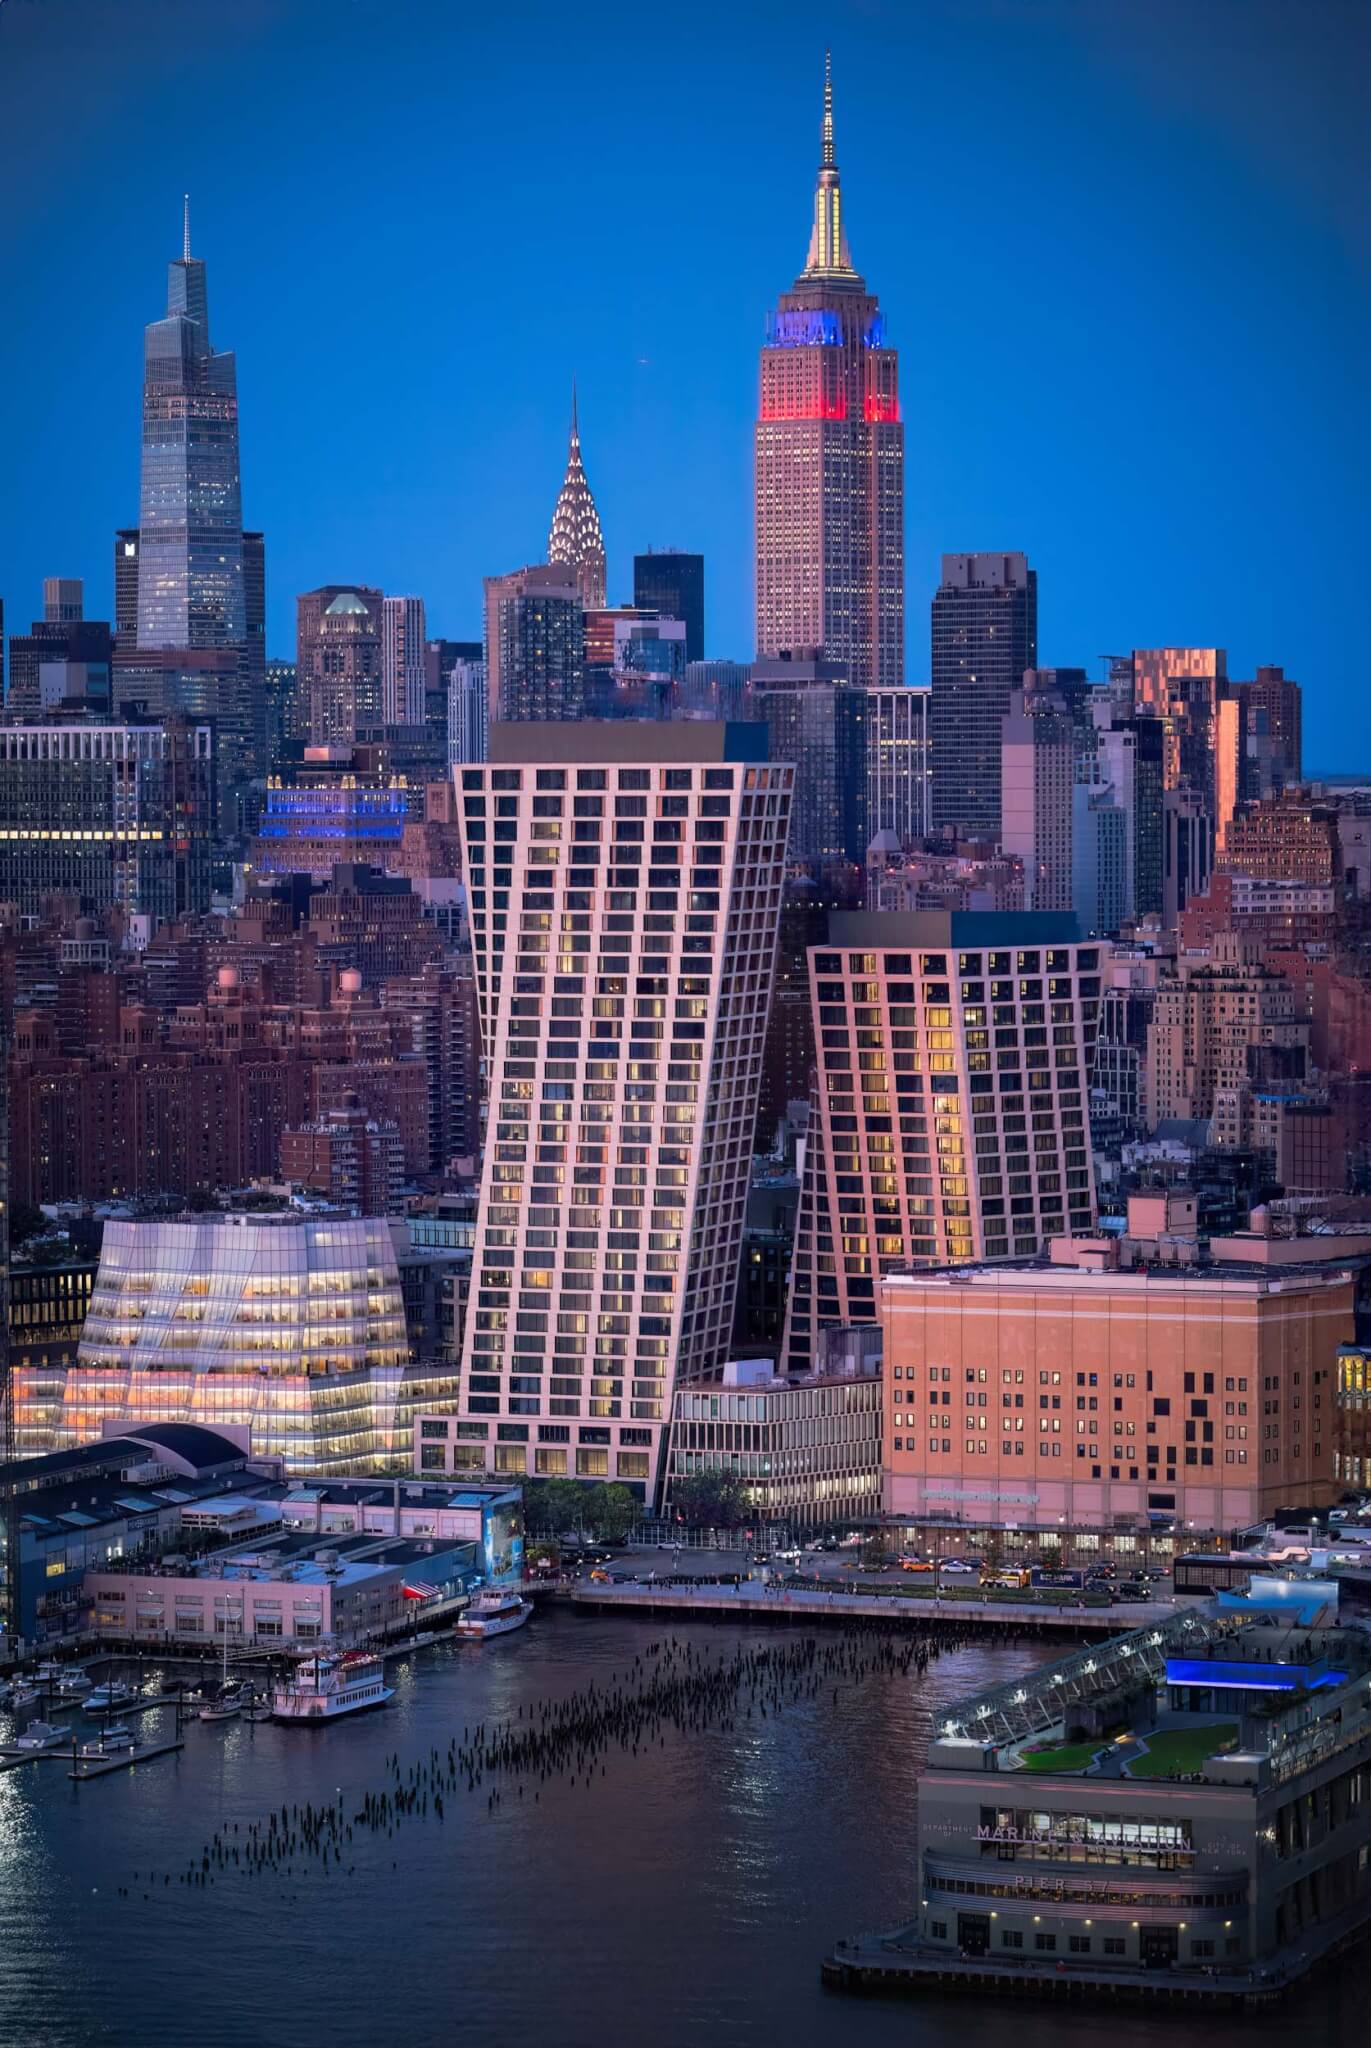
(606, 741)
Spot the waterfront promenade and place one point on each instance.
(756, 1600)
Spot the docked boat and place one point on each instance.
(493, 1614)
(73, 1685)
(223, 1702)
(25, 1694)
(42, 1735)
(113, 1742)
(325, 1688)
(114, 1693)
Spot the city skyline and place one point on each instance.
(668, 389)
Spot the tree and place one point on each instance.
(714, 1499)
(26, 1221)
(552, 1505)
(611, 1511)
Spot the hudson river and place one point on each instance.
(686, 1895)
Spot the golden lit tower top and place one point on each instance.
(828, 253)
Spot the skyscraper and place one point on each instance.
(338, 663)
(672, 583)
(817, 719)
(623, 999)
(897, 763)
(933, 1148)
(985, 634)
(1036, 779)
(535, 644)
(575, 540)
(403, 672)
(830, 460)
(194, 589)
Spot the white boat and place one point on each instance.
(114, 1693)
(325, 1688)
(72, 1685)
(26, 1694)
(225, 1702)
(493, 1614)
(42, 1735)
(110, 1743)
(49, 1673)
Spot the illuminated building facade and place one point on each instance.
(310, 827)
(830, 461)
(625, 887)
(950, 1120)
(293, 1327)
(575, 541)
(404, 671)
(338, 663)
(535, 644)
(120, 816)
(897, 758)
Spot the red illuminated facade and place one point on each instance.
(830, 461)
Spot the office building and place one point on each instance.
(292, 1327)
(1108, 1382)
(1183, 686)
(575, 541)
(985, 634)
(830, 461)
(715, 690)
(1273, 704)
(949, 1119)
(1101, 846)
(339, 663)
(1037, 767)
(196, 587)
(1219, 1025)
(817, 719)
(64, 659)
(404, 671)
(535, 644)
(808, 1452)
(1187, 851)
(309, 826)
(126, 585)
(118, 816)
(286, 717)
(468, 712)
(625, 886)
(667, 581)
(897, 764)
(1192, 1822)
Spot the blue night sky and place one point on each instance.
(1122, 246)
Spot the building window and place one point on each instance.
(592, 1464)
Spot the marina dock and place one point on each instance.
(120, 1760)
(755, 1601)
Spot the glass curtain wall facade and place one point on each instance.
(985, 634)
(293, 1327)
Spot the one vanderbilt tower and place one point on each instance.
(830, 460)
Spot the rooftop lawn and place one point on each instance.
(1063, 1756)
(1174, 1752)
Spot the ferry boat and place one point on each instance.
(325, 1688)
(42, 1735)
(493, 1614)
(114, 1693)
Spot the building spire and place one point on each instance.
(185, 229)
(828, 256)
(575, 539)
(830, 159)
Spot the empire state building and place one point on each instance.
(830, 460)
